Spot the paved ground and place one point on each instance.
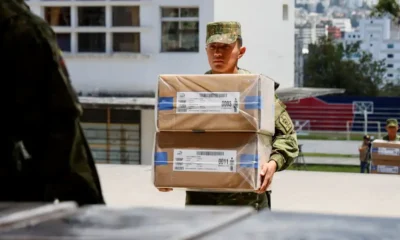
(337, 193)
(332, 161)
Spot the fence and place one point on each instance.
(343, 117)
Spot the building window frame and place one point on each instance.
(109, 29)
(180, 20)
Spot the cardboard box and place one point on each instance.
(210, 161)
(385, 157)
(216, 103)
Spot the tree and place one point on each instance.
(332, 65)
(386, 7)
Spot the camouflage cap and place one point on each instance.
(223, 32)
(392, 122)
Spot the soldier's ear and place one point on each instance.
(242, 51)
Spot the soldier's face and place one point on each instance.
(392, 130)
(223, 58)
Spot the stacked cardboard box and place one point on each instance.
(385, 157)
(214, 132)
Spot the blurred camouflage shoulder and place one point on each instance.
(16, 20)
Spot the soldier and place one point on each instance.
(392, 126)
(224, 49)
(46, 154)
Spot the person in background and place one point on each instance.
(364, 154)
(392, 127)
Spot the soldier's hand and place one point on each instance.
(267, 173)
(165, 189)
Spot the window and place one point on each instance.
(126, 42)
(390, 65)
(285, 12)
(390, 45)
(180, 30)
(390, 75)
(58, 16)
(91, 16)
(92, 42)
(85, 26)
(390, 55)
(64, 41)
(125, 16)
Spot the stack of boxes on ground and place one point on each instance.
(385, 157)
(214, 131)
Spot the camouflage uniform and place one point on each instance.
(391, 122)
(55, 161)
(285, 146)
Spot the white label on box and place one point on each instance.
(389, 151)
(207, 102)
(388, 169)
(201, 160)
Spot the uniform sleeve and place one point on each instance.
(45, 110)
(284, 143)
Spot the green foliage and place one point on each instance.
(384, 7)
(335, 65)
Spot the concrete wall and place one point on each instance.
(332, 147)
(148, 130)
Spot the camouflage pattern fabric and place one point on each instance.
(223, 32)
(44, 115)
(284, 150)
(392, 122)
(386, 138)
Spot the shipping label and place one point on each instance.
(389, 151)
(207, 102)
(201, 160)
(387, 169)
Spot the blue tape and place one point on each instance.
(165, 103)
(161, 158)
(249, 161)
(252, 102)
(374, 150)
(374, 168)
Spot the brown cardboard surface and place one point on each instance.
(385, 157)
(184, 103)
(243, 178)
(385, 150)
(385, 166)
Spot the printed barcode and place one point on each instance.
(208, 153)
(179, 168)
(213, 95)
(182, 109)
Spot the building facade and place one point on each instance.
(120, 47)
(377, 38)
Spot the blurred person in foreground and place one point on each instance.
(45, 153)
(224, 49)
(392, 127)
(365, 154)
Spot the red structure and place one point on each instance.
(323, 116)
(334, 32)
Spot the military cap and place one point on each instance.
(392, 122)
(223, 32)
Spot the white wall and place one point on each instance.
(148, 130)
(269, 39)
(270, 43)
